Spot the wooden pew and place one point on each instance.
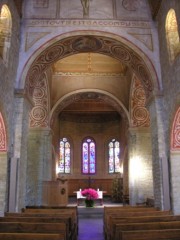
(24, 227)
(55, 210)
(51, 214)
(132, 214)
(142, 219)
(122, 227)
(162, 234)
(31, 236)
(115, 209)
(114, 212)
(67, 219)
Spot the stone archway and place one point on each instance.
(132, 57)
(89, 93)
(68, 46)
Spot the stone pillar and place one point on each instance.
(159, 152)
(3, 182)
(140, 165)
(175, 181)
(39, 166)
(18, 164)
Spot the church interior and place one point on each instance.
(89, 98)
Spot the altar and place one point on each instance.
(79, 196)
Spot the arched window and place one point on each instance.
(114, 156)
(5, 32)
(64, 163)
(172, 35)
(88, 156)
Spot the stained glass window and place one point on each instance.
(88, 156)
(114, 156)
(5, 32)
(64, 163)
(172, 35)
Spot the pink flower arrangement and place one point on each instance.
(90, 193)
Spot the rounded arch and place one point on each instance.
(175, 132)
(77, 95)
(97, 42)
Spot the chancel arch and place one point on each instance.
(118, 49)
(130, 56)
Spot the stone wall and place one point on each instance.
(171, 95)
(8, 71)
(140, 165)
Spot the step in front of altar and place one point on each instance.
(94, 212)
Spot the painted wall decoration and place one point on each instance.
(39, 113)
(78, 44)
(131, 5)
(3, 140)
(175, 134)
(138, 112)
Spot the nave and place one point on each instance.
(109, 222)
(90, 223)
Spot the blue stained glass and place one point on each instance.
(114, 156)
(64, 163)
(88, 157)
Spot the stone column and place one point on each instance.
(175, 180)
(18, 164)
(39, 166)
(159, 151)
(140, 165)
(3, 182)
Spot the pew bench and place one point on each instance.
(62, 210)
(115, 209)
(118, 228)
(162, 234)
(139, 212)
(28, 227)
(133, 214)
(31, 236)
(142, 219)
(67, 219)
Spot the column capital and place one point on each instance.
(20, 93)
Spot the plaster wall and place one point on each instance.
(171, 96)
(140, 165)
(8, 71)
(102, 134)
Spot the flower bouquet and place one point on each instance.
(90, 195)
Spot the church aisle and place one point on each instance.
(90, 223)
(90, 229)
